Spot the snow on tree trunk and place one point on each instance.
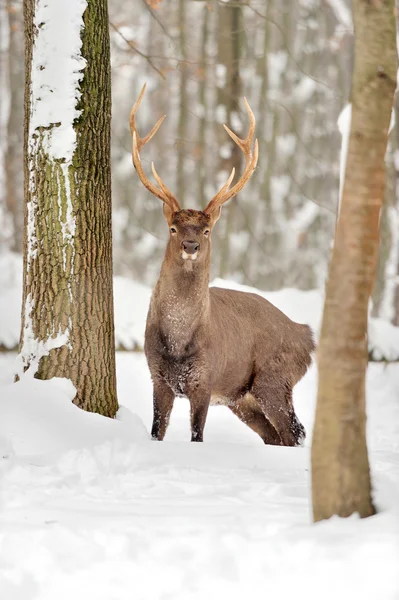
(67, 314)
(340, 467)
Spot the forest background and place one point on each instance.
(293, 62)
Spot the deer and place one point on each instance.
(213, 345)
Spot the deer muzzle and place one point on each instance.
(190, 249)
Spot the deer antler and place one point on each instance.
(245, 145)
(162, 192)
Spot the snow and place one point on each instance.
(57, 69)
(305, 216)
(286, 144)
(220, 75)
(10, 298)
(131, 302)
(342, 13)
(276, 64)
(220, 114)
(384, 340)
(92, 508)
(91, 503)
(304, 90)
(279, 188)
(225, 150)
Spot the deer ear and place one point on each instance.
(214, 215)
(168, 213)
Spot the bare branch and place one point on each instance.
(133, 47)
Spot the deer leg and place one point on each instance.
(199, 405)
(276, 404)
(249, 412)
(296, 426)
(163, 403)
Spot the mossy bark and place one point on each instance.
(340, 467)
(68, 271)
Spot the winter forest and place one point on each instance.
(240, 255)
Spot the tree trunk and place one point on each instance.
(395, 240)
(340, 468)
(381, 283)
(13, 156)
(228, 96)
(182, 124)
(68, 326)
(202, 100)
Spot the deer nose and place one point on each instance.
(190, 247)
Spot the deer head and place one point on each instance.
(190, 230)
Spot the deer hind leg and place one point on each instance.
(163, 404)
(277, 406)
(249, 412)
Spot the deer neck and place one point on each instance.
(181, 302)
(187, 284)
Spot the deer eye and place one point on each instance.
(173, 230)
(207, 232)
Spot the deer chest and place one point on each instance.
(182, 373)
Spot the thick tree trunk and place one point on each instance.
(395, 250)
(68, 327)
(340, 468)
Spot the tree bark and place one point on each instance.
(381, 283)
(395, 319)
(67, 315)
(340, 467)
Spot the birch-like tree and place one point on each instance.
(340, 467)
(67, 314)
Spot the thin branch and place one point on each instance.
(259, 14)
(133, 47)
(304, 194)
(158, 20)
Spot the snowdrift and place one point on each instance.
(90, 507)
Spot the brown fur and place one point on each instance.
(234, 347)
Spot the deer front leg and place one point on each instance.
(163, 404)
(199, 404)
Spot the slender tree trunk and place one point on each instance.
(229, 20)
(68, 327)
(340, 467)
(202, 99)
(182, 125)
(14, 155)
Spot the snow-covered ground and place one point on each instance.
(91, 509)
